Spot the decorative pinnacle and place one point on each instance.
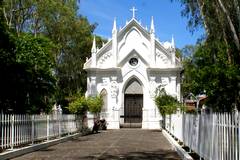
(94, 49)
(152, 29)
(173, 42)
(114, 25)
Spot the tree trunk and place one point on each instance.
(201, 5)
(228, 51)
(236, 5)
(5, 15)
(9, 18)
(230, 23)
(224, 33)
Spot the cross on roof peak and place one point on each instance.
(133, 10)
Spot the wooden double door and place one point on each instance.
(133, 108)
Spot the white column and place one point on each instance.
(152, 88)
(179, 88)
(114, 119)
(93, 87)
(173, 58)
(173, 85)
(114, 91)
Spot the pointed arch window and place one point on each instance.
(104, 95)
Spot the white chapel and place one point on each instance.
(126, 72)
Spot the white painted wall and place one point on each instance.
(152, 70)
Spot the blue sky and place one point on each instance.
(167, 18)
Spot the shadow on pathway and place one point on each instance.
(154, 155)
(130, 144)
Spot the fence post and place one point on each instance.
(198, 133)
(68, 124)
(32, 136)
(2, 128)
(213, 138)
(59, 126)
(47, 127)
(12, 131)
(238, 134)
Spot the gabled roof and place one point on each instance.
(134, 22)
(157, 43)
(87, 64)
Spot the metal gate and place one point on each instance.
(133, 110)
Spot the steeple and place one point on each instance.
(173, 52)
(173, 42)
(114, 41)
(114, 30)
(152, 28)
(152, 35)
(94, 49)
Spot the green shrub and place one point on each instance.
(95, 104)
(78, 106)
(167, 104)
(81, 104)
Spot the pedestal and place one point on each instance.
(113, 121)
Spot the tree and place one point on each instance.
(7, 65)
(166, 104)
(95, 104)
(220, 18)
(188, 51)
(214, 67)
(208, 73)
(36, 81)
(61, 24)
(27, 81)
(78, 105)
(72, 77)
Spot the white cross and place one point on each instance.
(133, 10)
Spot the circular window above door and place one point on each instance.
(133, 61)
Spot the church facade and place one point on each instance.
(126, 72)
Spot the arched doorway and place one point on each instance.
(133, 104)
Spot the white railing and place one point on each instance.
(211, 136)
(19, 130)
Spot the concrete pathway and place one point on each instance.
(132, 144)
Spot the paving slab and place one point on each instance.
(132, 144)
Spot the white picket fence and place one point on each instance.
(19, 130)
(211, 136)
